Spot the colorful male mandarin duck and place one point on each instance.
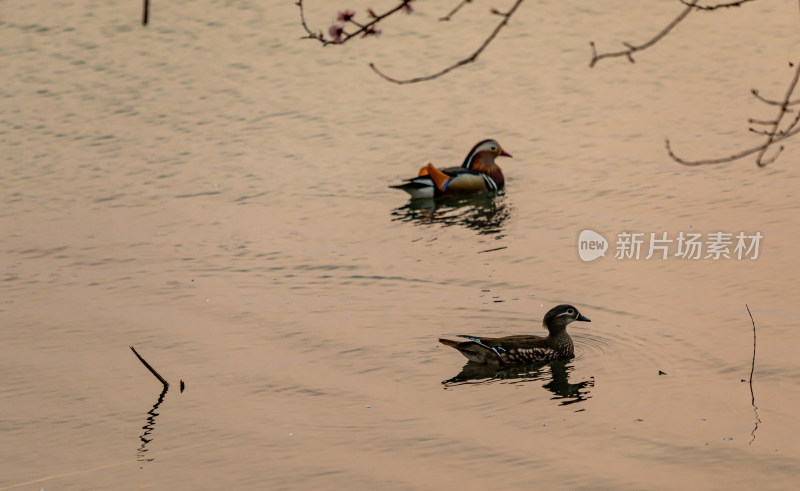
(477, 174)
(524, 348)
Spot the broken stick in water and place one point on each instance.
(152, 370)
(146, 12)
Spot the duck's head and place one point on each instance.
(488, 148)
(557, 318)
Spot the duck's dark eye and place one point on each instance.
(494, 148)
(570, 311)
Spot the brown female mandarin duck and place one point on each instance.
(524, 348)
(478, 174)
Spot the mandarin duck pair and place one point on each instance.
(478, 174)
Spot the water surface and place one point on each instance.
(213, 190)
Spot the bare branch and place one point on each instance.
(363, 29)
(731, 158)
(793, 125)
(753, 363)
(781, 113)
(761, 121)
(474, 56)
(771, 102)
(311, 34)
(762, 161)
(628, 53)
(753, 369)
(796, 118)
(773, 133)
(726, 5)
(455, 10)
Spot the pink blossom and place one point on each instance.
(372, 31)
(336, 31)
(346, 15)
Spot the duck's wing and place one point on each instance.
(509, 349)
(459, 181)
(509, 342)
(452, 171)
(524, 349)
(432, 182)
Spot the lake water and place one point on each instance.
(212, 190)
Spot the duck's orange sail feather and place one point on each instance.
(439, 178)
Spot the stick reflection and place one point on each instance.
(141, 454)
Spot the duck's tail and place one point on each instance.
(474, 351)
(448, 342)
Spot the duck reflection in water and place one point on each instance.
(485, 213)
(555, 372)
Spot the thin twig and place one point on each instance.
(470, 59)
(455, 10)
(793, 123)
(753, 363)
(771, 102)
(726, 5)
(752, 369)
(781, 113)
(628, 53)
(761, 121)
(152, 370)
(311, 35)
(145, 12)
